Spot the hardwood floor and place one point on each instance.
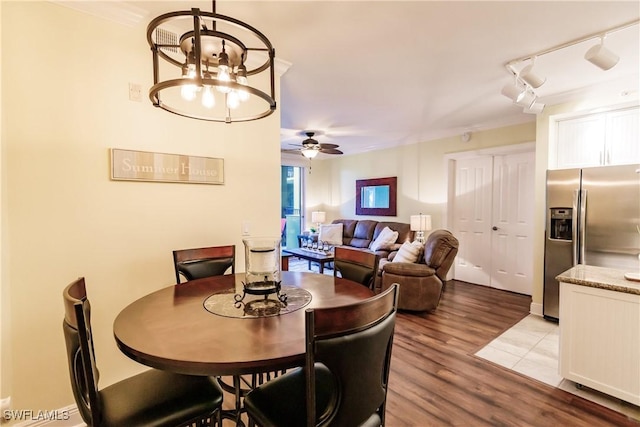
(436, 380)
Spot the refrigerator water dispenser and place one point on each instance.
(561, 223)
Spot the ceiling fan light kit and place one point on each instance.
(309, 153)
(311, 147)
(522, 91)
(202, 72)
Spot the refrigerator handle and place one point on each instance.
(583, 226)
(574, 227)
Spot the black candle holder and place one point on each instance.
(266, 288)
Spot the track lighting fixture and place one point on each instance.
(514, 91)
(601, 57)
(522, 90)
(527, 99)
(534, 108)
(530, 78)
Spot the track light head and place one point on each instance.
(601, 57)
(534, 108)
(527, 99)
(513, 92)
(530, 78)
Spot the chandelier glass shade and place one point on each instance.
(211, 67)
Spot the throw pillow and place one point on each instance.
(385, 240)
(331, 234)
(409, 252)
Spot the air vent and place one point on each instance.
(167, 38)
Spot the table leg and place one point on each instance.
(321, 268)
(238, 392)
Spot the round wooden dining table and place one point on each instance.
(189, 328)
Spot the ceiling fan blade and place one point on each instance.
(331, 151)
(328, 146)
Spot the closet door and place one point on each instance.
(493, 220)
(472, 219)
(511, 240)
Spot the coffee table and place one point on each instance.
(320, 257)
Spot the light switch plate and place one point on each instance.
(135, 92)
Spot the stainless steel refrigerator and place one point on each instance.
(592, 218)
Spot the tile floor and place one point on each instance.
(530, 347)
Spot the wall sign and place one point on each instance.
(128, 165)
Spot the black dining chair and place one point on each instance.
(204, 262)
(152, 398)
(345, 377)
(356, 265)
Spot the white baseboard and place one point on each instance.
(536, 308)
(68, 416)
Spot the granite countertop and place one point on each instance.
(599, 277)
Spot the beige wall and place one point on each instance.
(422, 178)
(64, 104)
(421, 170)
(5, 377)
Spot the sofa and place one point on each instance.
(361, 234)
(422, 282)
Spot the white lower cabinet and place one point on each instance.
(600, 340)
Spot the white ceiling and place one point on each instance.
(377, 74)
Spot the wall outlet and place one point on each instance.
(135, 92)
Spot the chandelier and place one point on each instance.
(202, 63)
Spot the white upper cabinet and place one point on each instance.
(622, 143)
(611, 138)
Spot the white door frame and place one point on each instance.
(450, 171)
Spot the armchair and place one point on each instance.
(421, 283)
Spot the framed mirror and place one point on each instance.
(376, 196)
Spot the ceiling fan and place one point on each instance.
(311, 147)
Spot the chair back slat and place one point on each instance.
(357, 265)
(198, 263)
(354, 342)
(80, 353)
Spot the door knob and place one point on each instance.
(494, 228)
